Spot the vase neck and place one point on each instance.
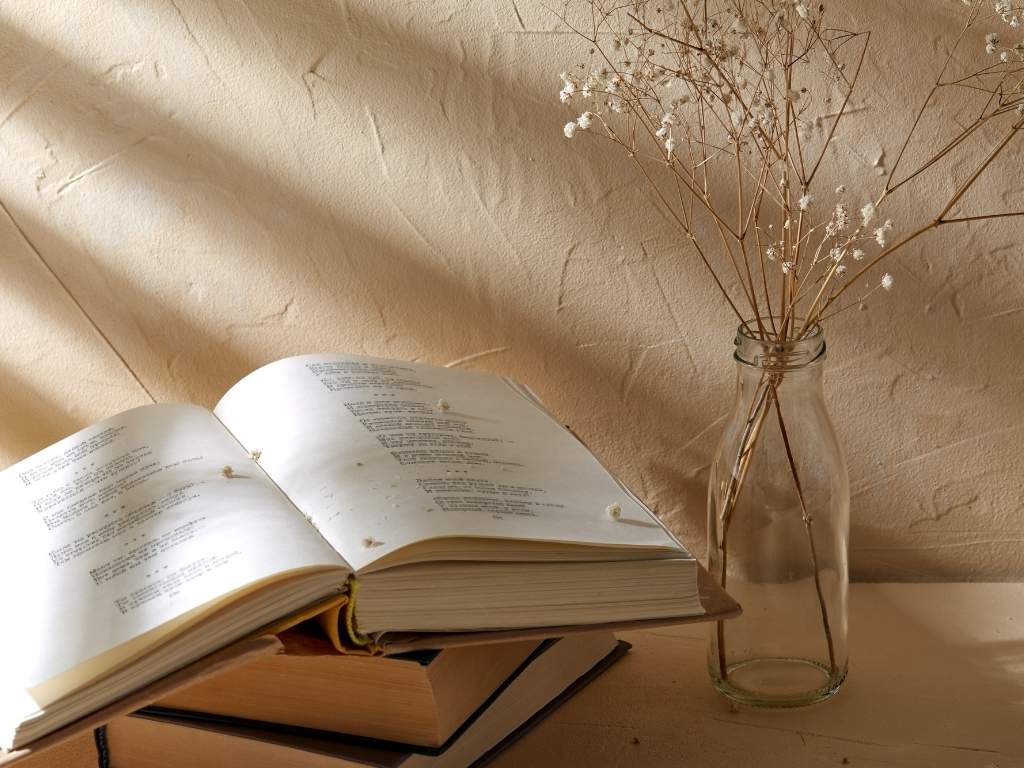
(771, 355)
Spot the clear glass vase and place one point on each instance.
(778, 527)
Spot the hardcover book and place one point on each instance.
(406, 505)
(556, 671)
(419, 698)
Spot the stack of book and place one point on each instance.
(349, 561)
(311, 707)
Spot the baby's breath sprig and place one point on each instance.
(728, 107)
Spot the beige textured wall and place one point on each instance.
(224, 182)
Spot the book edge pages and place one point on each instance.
(718, 606)
(234, 655)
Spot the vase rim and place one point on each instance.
(773, 355)
(746, 329)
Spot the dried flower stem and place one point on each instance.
(748, 440)
(808, 520)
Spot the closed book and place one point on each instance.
(557, 670)
(418, 698)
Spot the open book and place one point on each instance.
(414, 501)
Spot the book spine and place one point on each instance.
(360, 640)
(338, 623)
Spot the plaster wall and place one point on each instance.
(220, 183)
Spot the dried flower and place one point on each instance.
(887, 281)
(840, 220)
(867, 213)
(443, 405)
(568, 89)
(731, 62)
(227, 472)
(842, 216)
(614, 511)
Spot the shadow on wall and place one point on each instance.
(189, 330)
(31, 419)
(345, 268)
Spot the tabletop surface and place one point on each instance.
(936, 680)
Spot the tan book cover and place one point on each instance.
(419, 698)
(554, 673)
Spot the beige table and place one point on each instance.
(936, 681)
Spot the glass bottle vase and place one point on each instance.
(778, 527)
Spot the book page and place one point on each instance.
(382, 454)
(128, 524)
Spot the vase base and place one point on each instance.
(778, 682)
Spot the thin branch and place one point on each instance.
(808, 521)
(842, 109)
(981, 217)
